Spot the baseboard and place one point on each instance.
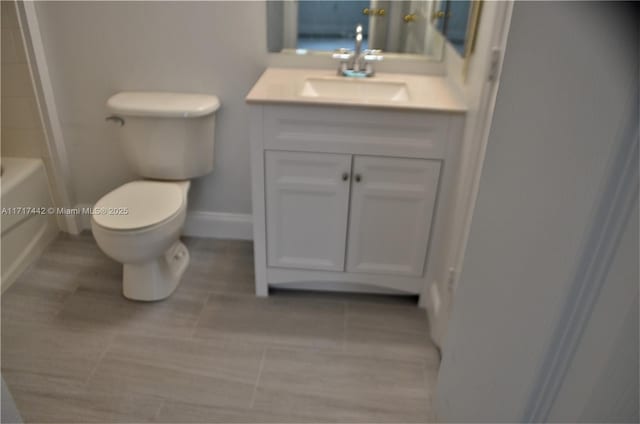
(434, 312)
(219, 225)
(202, 224)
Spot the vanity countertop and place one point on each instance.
(425, 92)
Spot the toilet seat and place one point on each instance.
(140, 204)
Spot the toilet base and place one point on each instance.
(158, 278)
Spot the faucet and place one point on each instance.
(358, 50)
(357, 63)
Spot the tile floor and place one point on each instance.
(75, 350)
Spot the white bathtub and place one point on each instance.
(24, 236)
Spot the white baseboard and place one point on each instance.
(219, 225)
(434, 305)
(204, 224)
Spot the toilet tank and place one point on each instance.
(166, 136)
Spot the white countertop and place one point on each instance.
(283, 86)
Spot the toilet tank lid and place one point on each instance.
(162, 104)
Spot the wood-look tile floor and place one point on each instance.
(75, 350)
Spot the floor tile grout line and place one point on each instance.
(345, 326)
(255, 387)
(197, 323)
(101, 357)
(389, 329)
(66, 300)
(156, 415)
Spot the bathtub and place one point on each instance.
(24, 236)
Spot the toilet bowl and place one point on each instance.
(139, 224)
(168, 139)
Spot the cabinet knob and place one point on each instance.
(345, 176)
(358, 178)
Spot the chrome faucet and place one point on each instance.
(357, 63)
(357, 53)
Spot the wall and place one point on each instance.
(564, 95)
(22, 133)
(94, 49)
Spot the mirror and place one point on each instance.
(457, 20)
(308, 26)
(407, 27)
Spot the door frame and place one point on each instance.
(617, 200)
(436, 297)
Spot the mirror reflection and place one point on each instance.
(305, 27)
(415, 27)
(453, 18)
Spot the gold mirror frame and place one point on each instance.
(472, 34)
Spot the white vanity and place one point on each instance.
(351, 178)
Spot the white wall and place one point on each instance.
(566, 87)
(22, 133)
(95, 49)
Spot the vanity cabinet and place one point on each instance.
(351, 213)
(348, 198)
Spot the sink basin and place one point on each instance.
(355, 89)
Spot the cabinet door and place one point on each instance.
(307, 199)
(392, 204)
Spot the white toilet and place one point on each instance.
(168, 138)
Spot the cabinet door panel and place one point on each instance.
(307, 209)
(391, 211)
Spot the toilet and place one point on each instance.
(168, 139)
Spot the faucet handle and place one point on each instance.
(342, 54)
(345, 56)
(374, 55)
